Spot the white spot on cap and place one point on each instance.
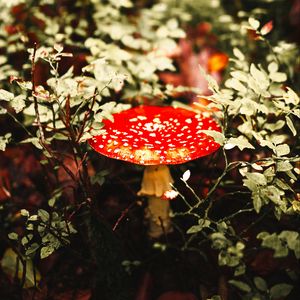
(133, 120)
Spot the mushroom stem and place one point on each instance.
(156, 181)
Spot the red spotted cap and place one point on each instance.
(156, 135)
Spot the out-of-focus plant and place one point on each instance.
(109, 38)
(230, 28)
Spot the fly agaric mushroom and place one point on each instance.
(156, 136)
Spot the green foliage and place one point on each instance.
(45, 233)
(27, 275)
(281, 243)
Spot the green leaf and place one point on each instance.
(236, 85)
(291, 97)
(274, 126)
(33, 218)
(239, 75)
(9, 266)
(4, 140)
(46, 251)
(3, 111)
(278, 77)
(216, 135)
(196, 228)
(280, 290)
(6, 96)
(13, 236)
(260, 283)
(259, 76)
(283, 166)
(44, 215)
(32, 249)
(258, 178)
(241, 142)
(24, 212)
(240, 285)
(291, 126)
(238, 54)
(18, 103)
(273, 67)
(253, 23)
(282, 150)
(257, 203)
(34, 140)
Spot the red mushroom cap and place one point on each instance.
(155, 135)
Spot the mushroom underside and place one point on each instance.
(156, 181)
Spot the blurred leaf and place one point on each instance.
(241, 142)
(6, 96)
(280, 290)
(240, 285)
(291, 126)
(260, 283)
(282, 150)
(9, 265)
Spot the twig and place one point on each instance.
(36, 107)
(123, 214)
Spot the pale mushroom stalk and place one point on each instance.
(156, 136)
(156, 181)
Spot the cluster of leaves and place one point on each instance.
(259, 115)
(116, 41)
(59, 108)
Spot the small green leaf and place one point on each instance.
(258, 178)
(13, 236)
(273, 67)
(6, 96)
(3, 111)
(18, 103)
(24, 212)
(33, 218)
(32, 249)
(44, 215)
(236, 85)
(283, 166)
(196, 228)
(46, 251)
(216, 135)
(259, 76)
(4, 140)
(280, 290)
(253, 23)
(241, 142)
(257, 203)
(278, 77)
(240, 285)
(282, 150)
(260, 283)
(291, 126)
(238, 54)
